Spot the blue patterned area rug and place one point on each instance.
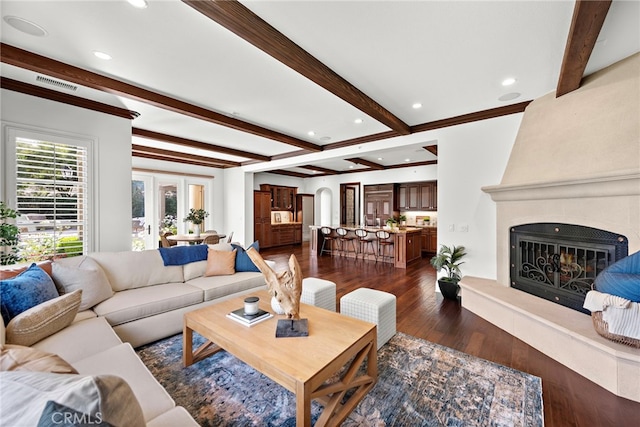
(419, 384)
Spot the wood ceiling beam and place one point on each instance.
(65, 98)
(411, 165)
(143, 133)
(291, 173)
(41, 64)
(587, 21)
(325, 171)
(472, 117)
(176, 154)
(372, 165)
(175, 159)
(433, 149)
(241, 21)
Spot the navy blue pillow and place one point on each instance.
(621, 278)
(28, 289)
(243, 262)
(180, 255)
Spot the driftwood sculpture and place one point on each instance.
(285, 286)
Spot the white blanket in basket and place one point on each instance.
(622, 316)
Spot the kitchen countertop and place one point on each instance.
(408, 229)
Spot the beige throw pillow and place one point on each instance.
(84, 273)
(220, 263)
(44, 319)
(21, 358)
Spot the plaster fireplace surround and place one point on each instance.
(576, 160)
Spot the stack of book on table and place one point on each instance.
(249, 319)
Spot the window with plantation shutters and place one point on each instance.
(51, 195)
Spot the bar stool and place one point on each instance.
(364, 241)
(327, 237)
(344, 239)
(384, 243)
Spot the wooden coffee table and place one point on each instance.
(302, 365)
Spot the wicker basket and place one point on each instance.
(602, 328)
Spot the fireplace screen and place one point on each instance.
(560, 262)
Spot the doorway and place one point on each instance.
(305, 214)
(350, 203)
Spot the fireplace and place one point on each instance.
(559, 262)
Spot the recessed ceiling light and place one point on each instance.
(25, 26)
(379, 158)
(311, 133)
(325, 138)
(417, 105)
(140, 4)
(509, 96)
(102, 55)
(508, 81)
(407, 160)
(350, 166)
(357, 121)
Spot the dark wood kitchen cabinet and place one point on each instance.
(429, 239)
(408, 197)
(262, 218)
(428, 196)
(282, 198)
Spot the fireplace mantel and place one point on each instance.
(620, 183)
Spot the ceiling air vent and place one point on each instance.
(56, 83)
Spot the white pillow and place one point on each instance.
(107, 398)
(82, 272)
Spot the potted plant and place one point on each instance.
(196, 217)
(9, 235)
(448, 259)
(391, 222)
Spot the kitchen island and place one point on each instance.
(406, 243)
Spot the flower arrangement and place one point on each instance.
(196, 216)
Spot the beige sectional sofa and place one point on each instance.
(140, 300)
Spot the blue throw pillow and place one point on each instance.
(621, 278)
(243, 262)
(180, 255)
(28, 289)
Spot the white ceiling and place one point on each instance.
(451, 56)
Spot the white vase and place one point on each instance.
(275, 306)
(196, 230)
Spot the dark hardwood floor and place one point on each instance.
(569, 399)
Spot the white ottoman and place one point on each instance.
(319, 292)
(372, 306)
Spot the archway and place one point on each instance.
(323, 208)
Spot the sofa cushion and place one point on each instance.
(221, 286)
(21, 358)
(220, 263)
(95, 336)
(125, 363)
(106, 398)
(28, 289)
(243, 262)
(82, 272)
(134, 304)
(44, 319)
(136, 269)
